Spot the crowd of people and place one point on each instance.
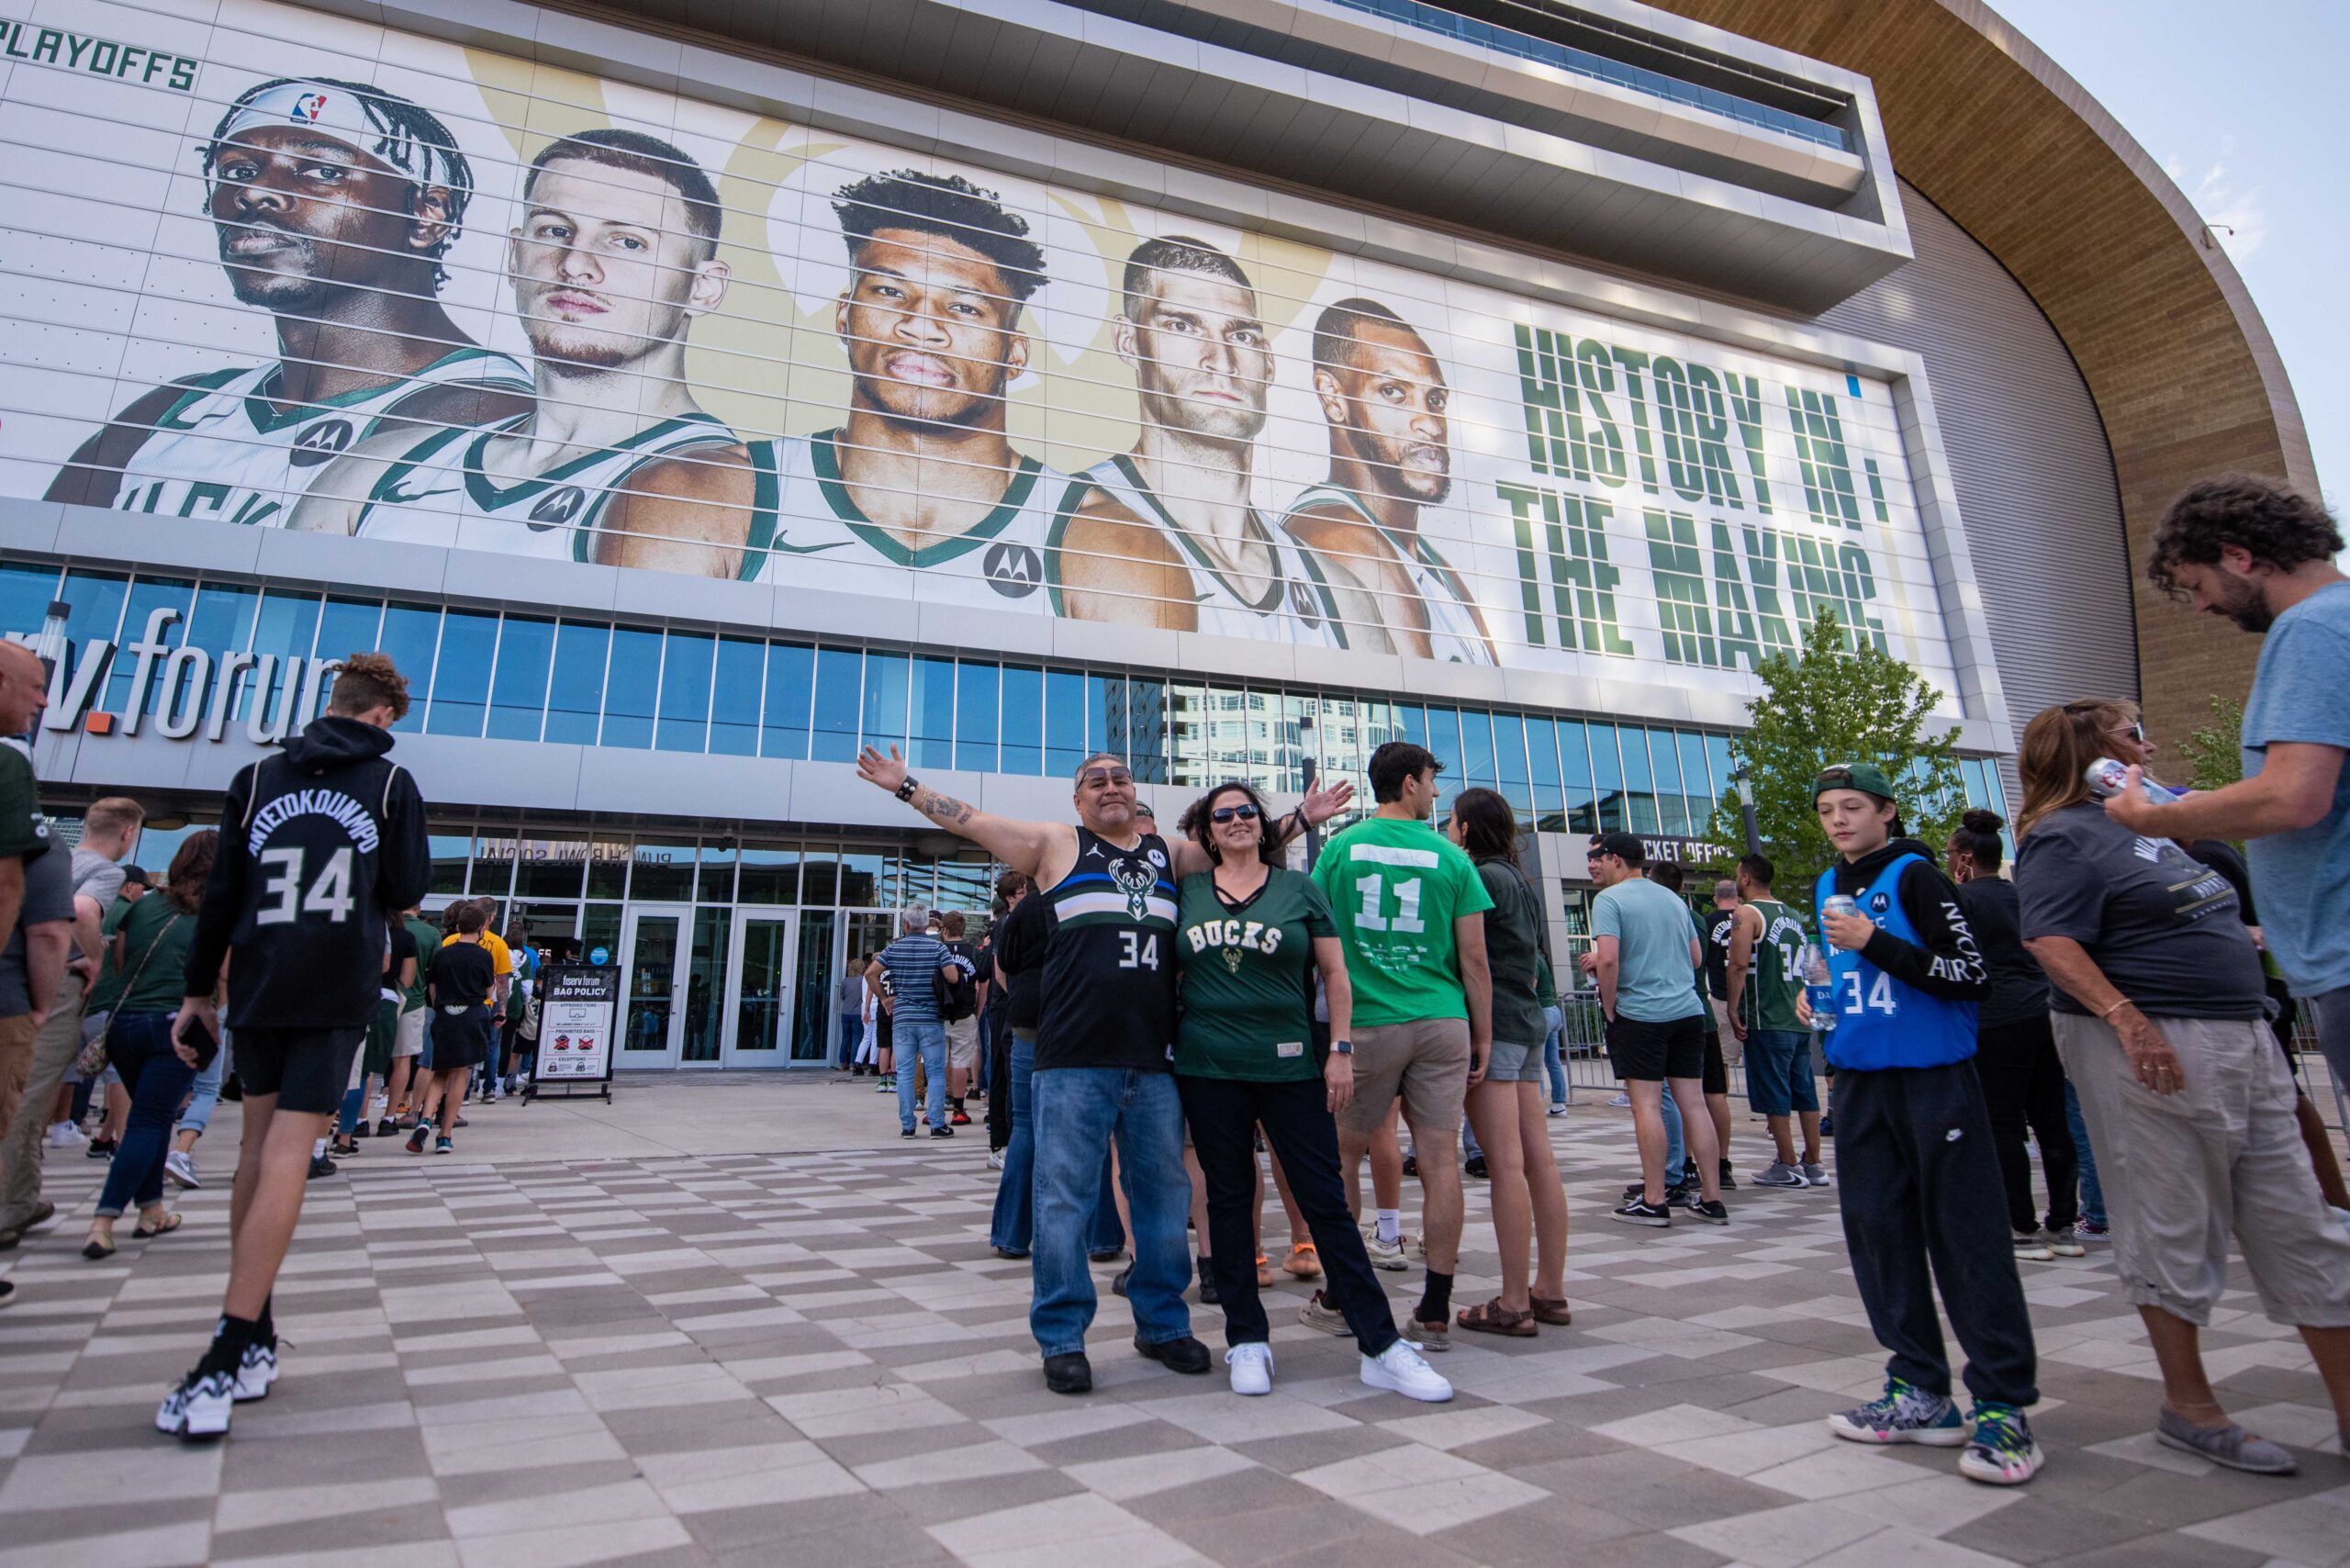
(1159, 1024)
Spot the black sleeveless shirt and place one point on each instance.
(1109, 981)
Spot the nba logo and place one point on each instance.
(309, 108)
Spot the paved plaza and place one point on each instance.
(735, 1320)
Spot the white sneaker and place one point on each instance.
(1252, 1369)
(179, 1165)
(1557, 1107)
(1387, 1255)
(200, 1407)
(65, 1134)
(995, 1160)
(1621, 1101)
(1400, 1370)
(257, 1372)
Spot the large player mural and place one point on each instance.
(313, 275)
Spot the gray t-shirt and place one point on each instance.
(97, 878)
(2163, 927)
(1654, 983)
(49, 896)
(2302, 693)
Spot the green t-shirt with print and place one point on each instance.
(1395, 887)
(1772, 981)
(1247, 971)
(428, 942)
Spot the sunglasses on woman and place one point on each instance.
(1226, 813)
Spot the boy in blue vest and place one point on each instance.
(1915, 1162)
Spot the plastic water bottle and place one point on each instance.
(1818, 988)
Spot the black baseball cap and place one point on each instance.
(133, 876)
(1626, 847)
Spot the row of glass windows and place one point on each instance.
(523, 677)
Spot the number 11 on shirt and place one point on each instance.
(1407, 920)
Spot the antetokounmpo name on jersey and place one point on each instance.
(347, 813)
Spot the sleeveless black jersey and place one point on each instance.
(319, 844)
(1108, 982)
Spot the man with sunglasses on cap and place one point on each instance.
(334, 205)
(1917, 1171)
(1105, 1046)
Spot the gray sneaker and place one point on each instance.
(2064, 1243)
(2230, 1445)
(1817, 1175)
(1781, 1174)
(1319, 1314)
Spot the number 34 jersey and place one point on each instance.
(319, 844)
(1108, 982)
(1396, 886)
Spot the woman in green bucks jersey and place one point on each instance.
(1250, 938)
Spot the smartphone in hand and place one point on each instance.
(201, 1040)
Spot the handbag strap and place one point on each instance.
(132, 983)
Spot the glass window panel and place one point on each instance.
(819, 874)
(1339, 739)
(1023, 720)
(148, 595)
(966, 882)
(734, 697)
(24, 595)
(1100, 735)
(222, 621)
(1672, 814)
(607, 868)
(932, 715)
(1970, 770)
(1411, 724)
(791, 685)
(461, 694)
(1144, 727)
(909, 880)
(412, 635)
(1574, 772)
(885, 700)
(977, 699)
(1188, 723)
(1640, 780)
(1998, 791)
(662, 870)
(1717, 763)
(1296, 745)
(346, 626)
(715, 882)
(550, 867)
(285, 624)
(1548, 794)
(1476, 765)
(1697, 781)
(685, 692)
(493, 865)
(1607, 779)
(770, 874)
(600, 932)
(860, 878)
(839, 693)
(1227, 733)
(575, 685)
(518, 694)
(97, 598)
(705, 983)
(630, 688)
(450, 851)
(1065, 744)
(1509, 762)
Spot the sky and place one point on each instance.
(2243, 103)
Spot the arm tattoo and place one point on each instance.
(943, 810)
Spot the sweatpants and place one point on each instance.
(1915, 1176)
(2023, 1085)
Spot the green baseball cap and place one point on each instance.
(1865, 776)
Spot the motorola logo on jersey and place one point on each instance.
(1879, 903)
(556, 509)
(327, 438)
(1013, 570)
(1302, 605)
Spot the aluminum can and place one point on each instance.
(2106, 777)
(1839, 904)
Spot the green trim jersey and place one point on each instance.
(1455, 634)
(1776, 976)
(438, 492)
(1109, 981)
(1247, 972)
(224, 451)
(1296, 607)
(1395, 887)
(824, 542)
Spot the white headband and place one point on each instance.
(355, 119)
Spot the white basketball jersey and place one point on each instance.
(224, 451)
(822, 541)
(438, 492)
(1295, 608)
(1454, 634)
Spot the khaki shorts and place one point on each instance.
(2223, 1154)
(410, 1041)
(1426, 1062)
(1734, 1048)
(963, 1044)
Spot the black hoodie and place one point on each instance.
(319, 844)
(1947, 963)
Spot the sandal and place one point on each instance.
(1493, 1317)
(1557, 1313)
(168, 1223)
(1304, 1262)
(98, 1251)
(1264, 1275)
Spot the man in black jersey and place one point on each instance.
(320, 845)
(1104, 1039)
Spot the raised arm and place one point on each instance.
(1317, 807)
(1025, 846)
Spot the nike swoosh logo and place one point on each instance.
(401, 497)
(783, 547)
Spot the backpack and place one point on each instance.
(958, 998)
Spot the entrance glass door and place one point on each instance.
(654, 959)
(758, 987)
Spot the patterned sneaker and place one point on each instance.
(257, 1372)
(179, 1165)
(1319, 1314)
(198, 1408)
(2030, 1248)
(1387, 1255)
(1816, 1174)
(1906, 1414)
(1779, 1173)
(2001, 1452)
(2064, 1243)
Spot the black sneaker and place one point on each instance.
(1641, 1212)
(1474, 1166)
(1208, 1294)
(387, 1128)
(942, 1132)
(442, 1145)
(1071, 1373)
(361, 1129)
(1412, 1164)
(1688, 1174)
(1712, 1214)
(1125, 1277)
(416, 1140)
(1185, 1355)
(7, 1292)
(100, 1148)
(1111, 1256)
(322, 1166)
(905, 1132)
(1729, 1182)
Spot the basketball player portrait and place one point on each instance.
(1165, 534)
(921, 473)
(613, 461)
(1384, 397)
(333, 204)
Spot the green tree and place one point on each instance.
(2213, 754)
(1834, 703)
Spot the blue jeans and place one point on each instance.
(139, 1046)
(205, 1095)
(1013, 1224)
(1076, 1110)
(2092, 1195)
(927, 1043)
(1554, 1019)
(1676, 1153)
(852, 1031)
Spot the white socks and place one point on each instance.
(319, 1149)
(1391, 1225)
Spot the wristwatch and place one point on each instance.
(906, 792)
(1342, 1048)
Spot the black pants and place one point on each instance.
(2023, 1084)
(1914, 1166)
(1224, 1114)
(997, 1028)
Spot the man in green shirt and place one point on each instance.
(407, 1043)
(1410, 910)
(24, 836)
(1766, 943)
